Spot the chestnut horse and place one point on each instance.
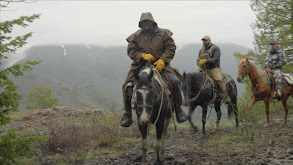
(260, 86)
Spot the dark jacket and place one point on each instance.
(213, 61)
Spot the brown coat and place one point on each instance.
(160, 45)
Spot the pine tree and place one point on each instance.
(12, 143)
(9, 98)
(274, 21)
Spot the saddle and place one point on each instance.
(287, 79)
(226, 79)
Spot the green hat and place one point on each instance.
(146, 16)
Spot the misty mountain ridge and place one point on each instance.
(108, 66)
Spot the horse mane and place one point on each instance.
(260, 72)
(195, 76)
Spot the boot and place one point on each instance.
(126, 120)
(277, 93)
(180, 115)
(226, 95)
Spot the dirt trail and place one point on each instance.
(272, 145)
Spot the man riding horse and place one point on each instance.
(209, 59)
(152, 44)
(274, 61)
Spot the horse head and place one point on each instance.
(243, 68)
(144, 94)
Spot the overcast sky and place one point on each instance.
(109, 23)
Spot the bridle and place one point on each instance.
(246, 68)
(145, 105)
(243, 75)
(198, 94)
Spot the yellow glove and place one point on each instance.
(160, 65)
(202, 62)
(148, 57)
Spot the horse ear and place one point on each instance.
(136, 74)
(247, 58)
(241, 58)
(184, 75)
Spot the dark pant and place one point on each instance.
(177, 96)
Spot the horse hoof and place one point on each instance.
(195, 129)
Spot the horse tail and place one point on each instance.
(232, 91)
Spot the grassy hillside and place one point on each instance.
(91, 95)
(91, 136)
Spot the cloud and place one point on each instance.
(111, 22)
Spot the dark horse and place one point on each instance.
(152, 106)
(198, 90)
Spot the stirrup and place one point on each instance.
(277, 93)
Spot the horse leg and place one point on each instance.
(219, 113)
(267, 105)
(252, 102)
(159, 130)
(284, 103)
(204, 118)
(162, 152)
(143, 131)
(236, 115)
(232, 107)
(144, 150)
(191, 109)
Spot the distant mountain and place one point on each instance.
(91, 68)
(106, 66)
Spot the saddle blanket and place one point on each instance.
(289, 78)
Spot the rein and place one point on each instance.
(202, 87)
(252, 78)
(243, 73)
(163, 90)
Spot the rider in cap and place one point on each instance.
(274, 61)
(209, 58)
